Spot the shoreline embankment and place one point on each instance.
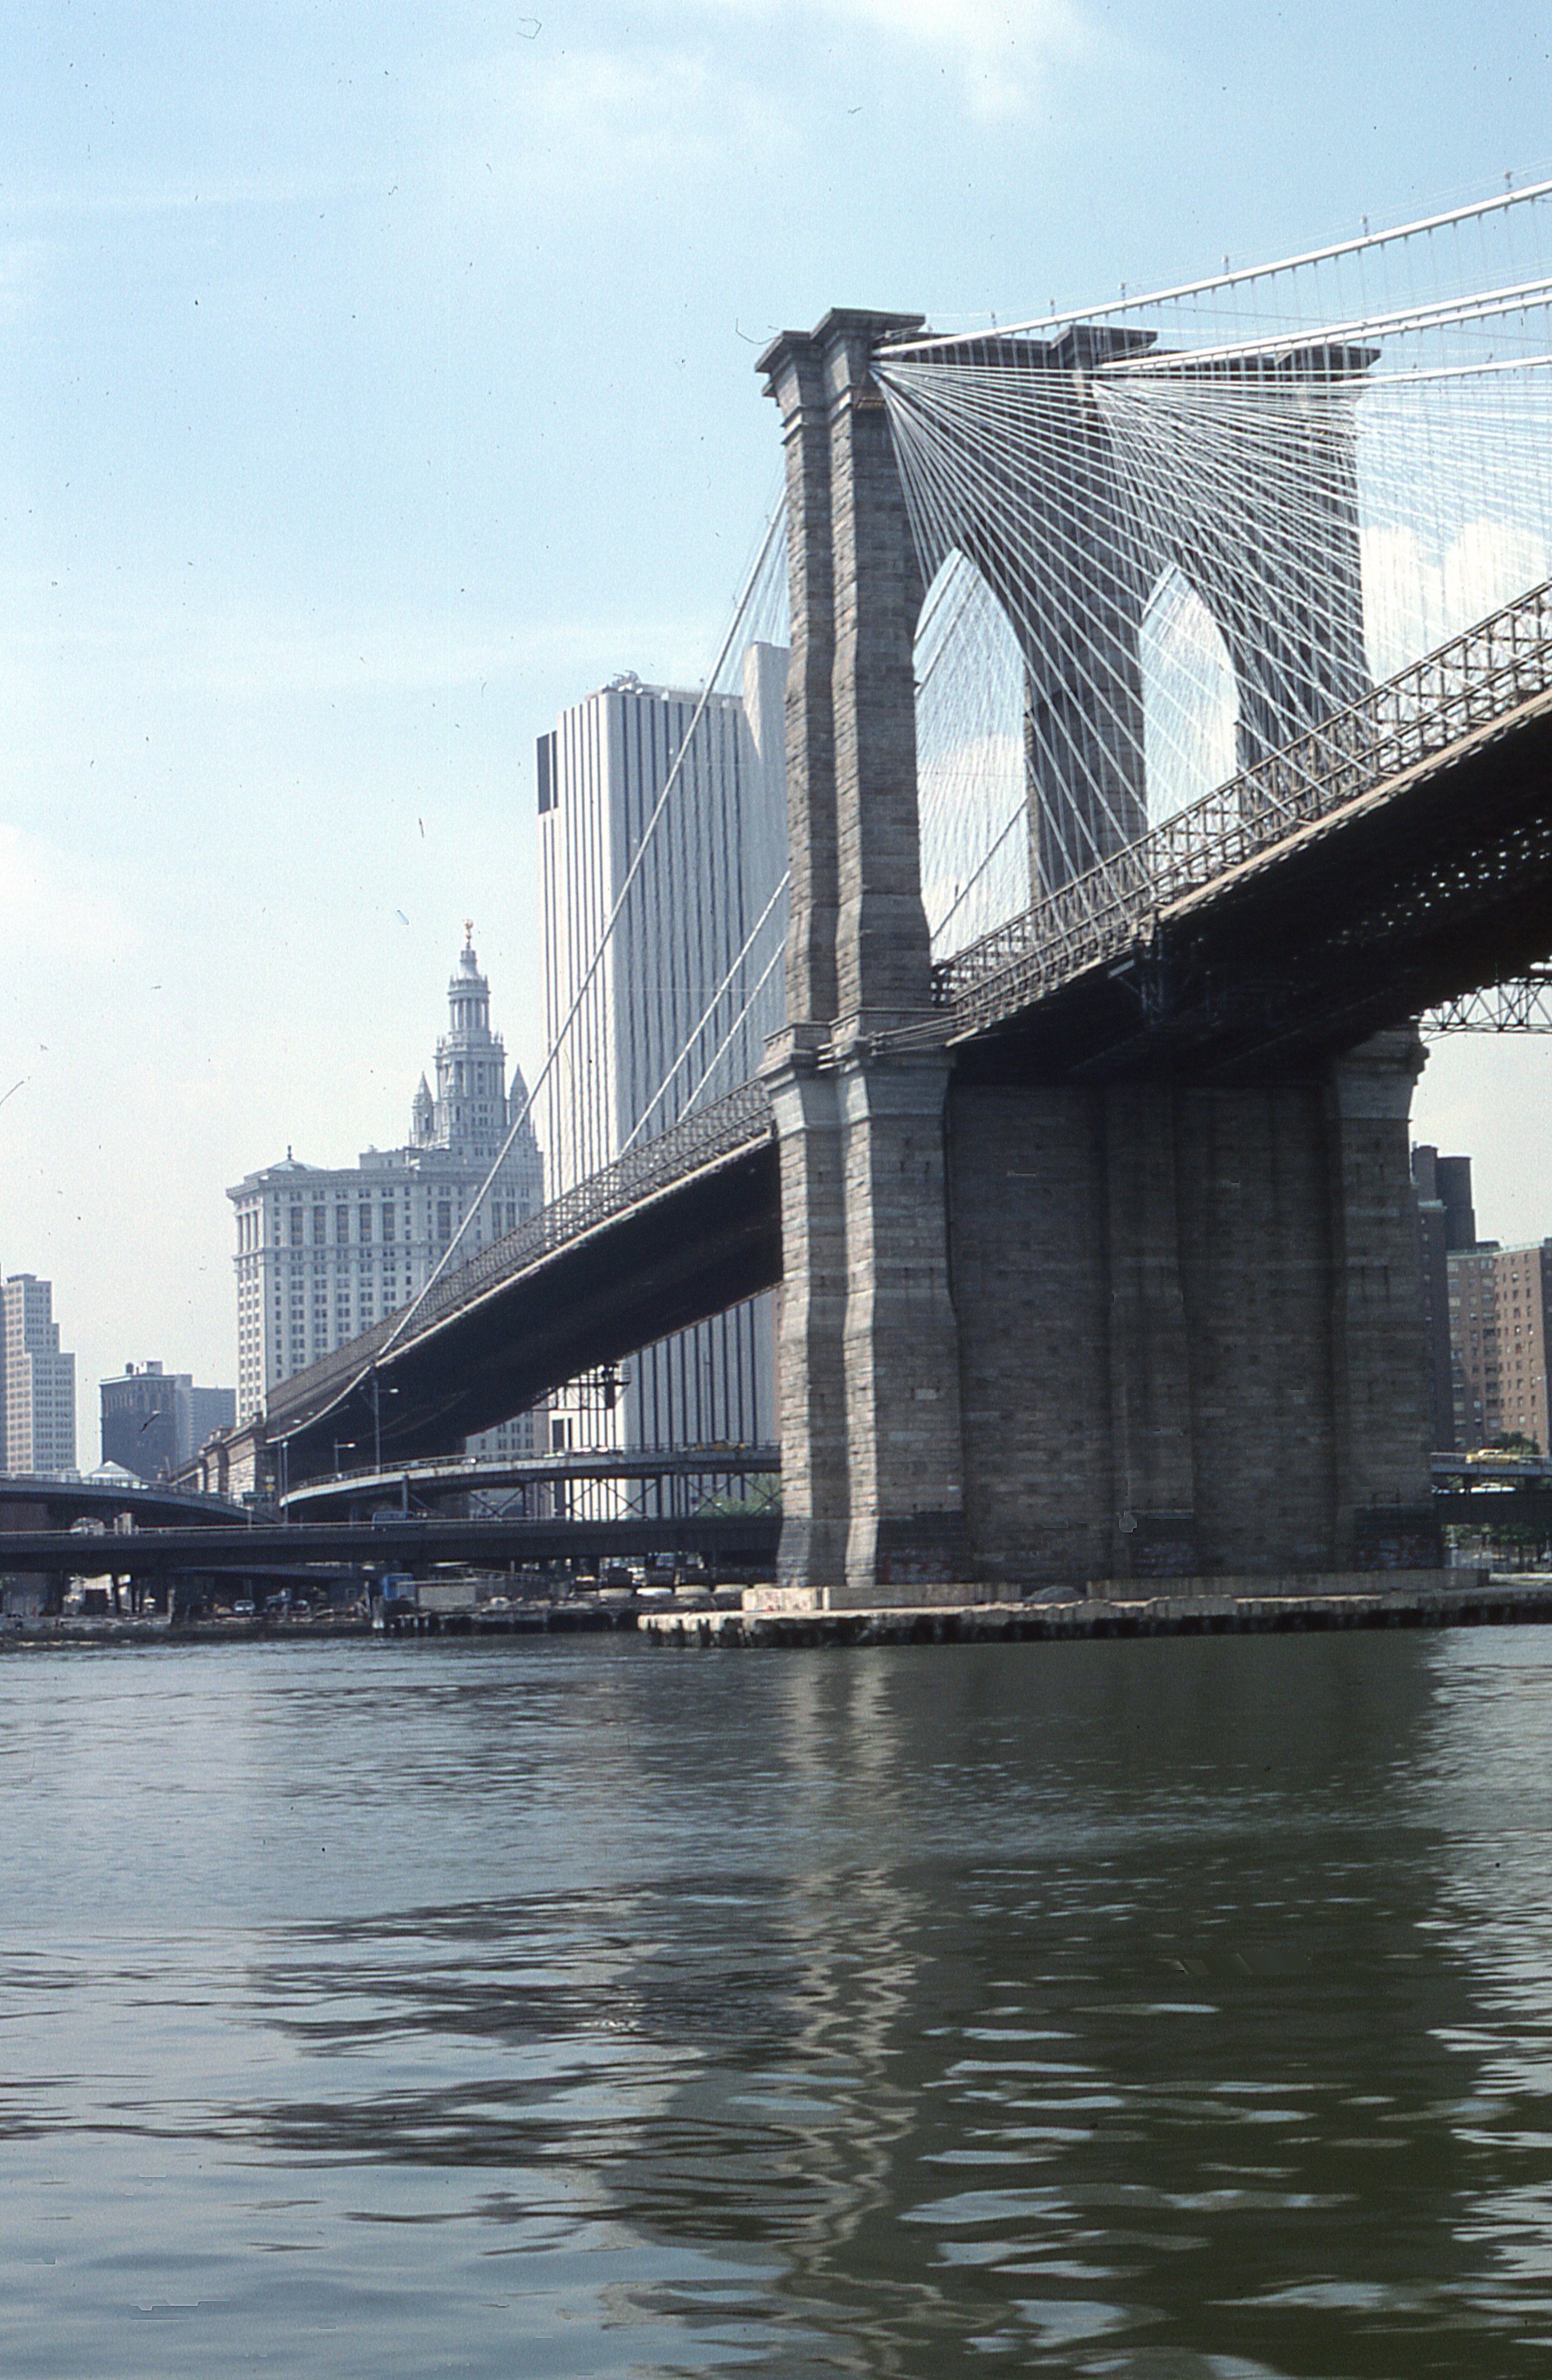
(770, 1617)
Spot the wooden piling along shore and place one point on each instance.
(1235, 1607)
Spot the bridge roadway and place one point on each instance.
(740, 1540)
(682, 1228)
(405, 1543)
(28, 1502)
(1398, 857)
(354, 1494)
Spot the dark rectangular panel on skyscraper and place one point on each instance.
(545, 756)
(1454, 1177)
(139, 1423)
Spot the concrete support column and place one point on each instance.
(1153, 1457)
(883, 960)
(1380, 1384)
(811, 1311)
(867, 1358)
(902, 1340)
(796, 382)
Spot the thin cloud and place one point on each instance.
(50, 911)
(109, 199)
(613, 118)
(22, 266)
(1003, 49)
(1415, 598)
(244, 653)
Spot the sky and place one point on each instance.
(379, 380)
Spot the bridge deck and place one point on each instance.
(23, 1496)
(1397, 799)
(684, 1226)
(403, 1544)
(1400, 854)
(457, 1476)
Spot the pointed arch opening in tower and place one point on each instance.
(1190, 699)
(970, 765)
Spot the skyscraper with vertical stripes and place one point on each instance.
(37, 1382)
(662, 826)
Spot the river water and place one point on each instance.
(1166, 2009)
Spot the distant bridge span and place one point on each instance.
(680, 1229)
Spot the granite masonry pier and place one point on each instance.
(1040, 1322)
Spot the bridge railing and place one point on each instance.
(1108, 911)
(741, 1120)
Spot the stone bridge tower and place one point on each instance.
(1037, 1327)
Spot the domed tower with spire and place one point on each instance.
(468, 1117)
(324, 1253)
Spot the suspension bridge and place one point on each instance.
(1169, 712)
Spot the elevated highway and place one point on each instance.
(356, 1495)
(34, 1503)
(405, 1544)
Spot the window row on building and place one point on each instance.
(322, 1254)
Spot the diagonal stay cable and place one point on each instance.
(774, 532)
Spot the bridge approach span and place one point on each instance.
(677, 1229)
(405, 1545)
(28, 1502)
(353, 1495)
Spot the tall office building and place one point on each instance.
(672, 1007)
(323, 1254)
(1447, 1223)
(37, 1382)
(153, 1420)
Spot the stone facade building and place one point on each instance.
(1498, 1317)
(323, 1252)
